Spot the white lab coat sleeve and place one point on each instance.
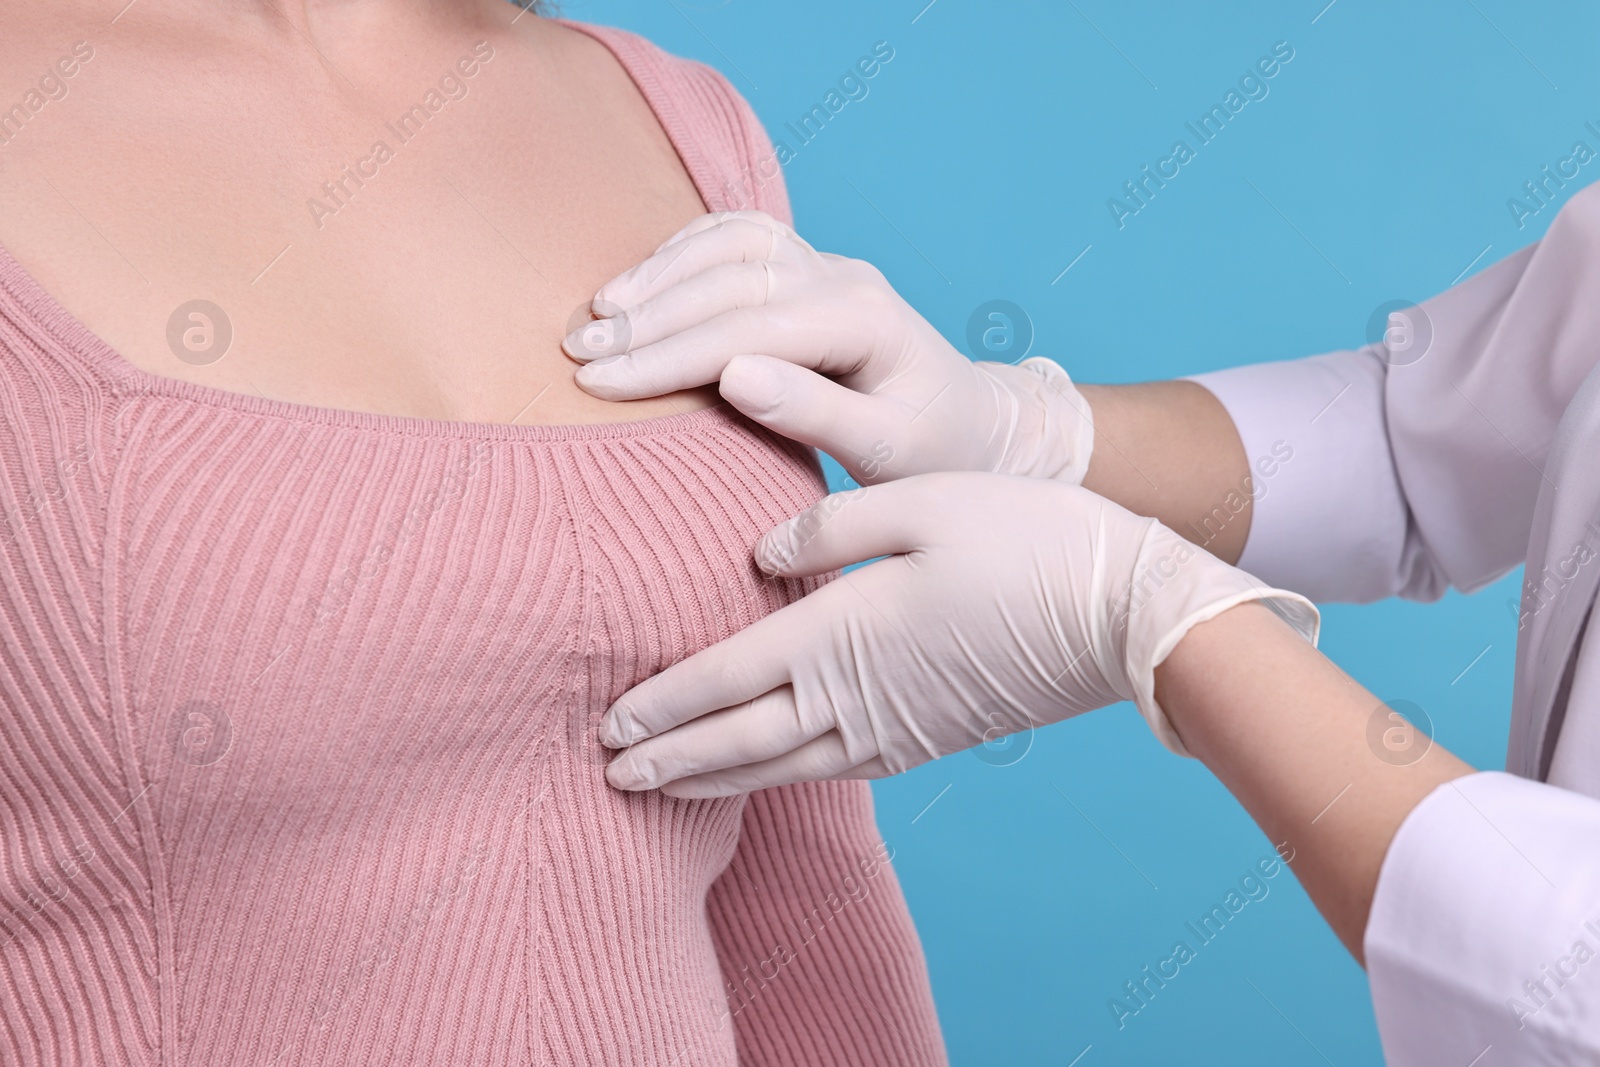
(1483, 945)
(1329, 517)
(1414, 464)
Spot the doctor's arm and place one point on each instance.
(1003, 604)
(1401, 468)
(1474, 899)
(1413, 465)
(1286, 731)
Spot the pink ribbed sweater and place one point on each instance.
(297, 756)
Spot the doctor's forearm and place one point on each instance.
(1288, 733)
(1169, 450)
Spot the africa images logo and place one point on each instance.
(1252, 86)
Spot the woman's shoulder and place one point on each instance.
(639, 56)
(710, 123)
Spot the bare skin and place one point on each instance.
(181, 162)
(1170, 451)
(1275, 720)
(1287, 732)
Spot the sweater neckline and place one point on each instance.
(127, 378)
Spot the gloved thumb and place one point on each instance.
(845, 528)
(802, 405)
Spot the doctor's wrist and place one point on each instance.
(1043, 427)
(1290, 736)
(1175, 588)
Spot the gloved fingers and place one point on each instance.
(800, 404)
(701, 223)
(730, 242)
(817, 760)
(720, 288)
(710, 240)
(697, 355)
(754, 732)
(712, 220)
(734, 671)
(845, 528)
(872, 768)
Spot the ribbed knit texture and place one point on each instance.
(297, 745)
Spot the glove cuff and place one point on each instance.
(1176, 586)
(1044, 428)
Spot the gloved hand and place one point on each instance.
(1006, 603)
(739, 297)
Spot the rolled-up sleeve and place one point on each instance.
(1413, 465)
(1483, 945)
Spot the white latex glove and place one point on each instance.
(1006, 603)
(738, 297)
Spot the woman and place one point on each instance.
(1459, 445)
(319, 570)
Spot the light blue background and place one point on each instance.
(978, 168)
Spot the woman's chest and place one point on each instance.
(414, 240)
(325, 586)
